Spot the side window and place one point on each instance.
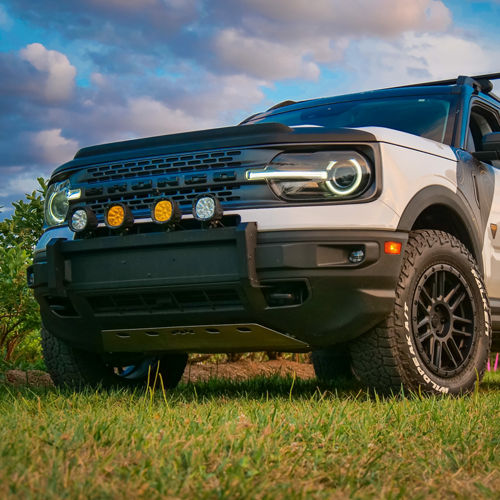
(483, 120)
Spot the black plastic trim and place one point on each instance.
(343, 299)
(439, 195)
(228, 137)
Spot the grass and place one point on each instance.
(264, 438)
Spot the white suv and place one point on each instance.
(361, 227)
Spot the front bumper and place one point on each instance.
(215, 290)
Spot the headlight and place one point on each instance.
(322, 175)
(57, 202)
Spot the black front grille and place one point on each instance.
(144, 201)
(162, 166)
(165, 302)
(139, 182)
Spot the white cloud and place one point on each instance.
(125, 4)
(21, 184)
(52, 147)
(262, 58)
(417, 57)
(146, 116)
(283, 39)
(59, 72)
(356, 17)
(210, 101)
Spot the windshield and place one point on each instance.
(423, 116)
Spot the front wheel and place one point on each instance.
(438, 337)
(76, 368)
(332, 364)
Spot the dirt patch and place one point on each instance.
(35, 378)
(244, 369)
(239, 370)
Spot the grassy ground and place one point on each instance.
(264, 438)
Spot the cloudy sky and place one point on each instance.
(80, 72)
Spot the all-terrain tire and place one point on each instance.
(332, 364)
(438, 337)
(77, 368)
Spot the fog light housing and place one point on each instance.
(207, 208)
(118, 216)
(357, 256)
(81, 219)
(166, 211)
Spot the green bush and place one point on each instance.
(19, 314)
(18, 308)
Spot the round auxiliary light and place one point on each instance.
(118, 216)
(82, 218)
(165, 211)
(207, 208)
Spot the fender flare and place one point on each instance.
(456, 202)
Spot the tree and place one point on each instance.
(25, 226)
(18, 308)
(19, 316)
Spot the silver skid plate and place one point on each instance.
(200, 338)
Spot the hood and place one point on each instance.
(405, 140)
(228, 137)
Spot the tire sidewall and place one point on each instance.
(416, 374)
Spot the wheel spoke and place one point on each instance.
(425, 321)
(442, 282)
(460, 332)
(425, 335)
(432, 345)
(435, 286)
(450, 294)
(461, 297)
(425, 295)
(450, 354)
(454, 346)
(437, 355)
(462, 320)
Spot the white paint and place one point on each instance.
(405, 171)
(411, 141)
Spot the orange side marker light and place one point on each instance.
(392, 247)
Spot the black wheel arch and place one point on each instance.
(437, 207)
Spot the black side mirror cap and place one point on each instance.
(490, 148)
(486, 156)
(491, 142)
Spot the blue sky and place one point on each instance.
(82, 72)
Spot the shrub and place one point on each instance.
(19, 315)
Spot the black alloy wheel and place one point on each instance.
(437, 338)
(443, 320)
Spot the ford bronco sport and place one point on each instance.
(361, 227)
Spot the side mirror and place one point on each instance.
(490, 148)
(491, 142)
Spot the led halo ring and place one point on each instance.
(81, 219)
(166, 211)
(207, 208)
(335, 188)
(121, 216)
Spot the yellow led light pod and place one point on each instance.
(165, 211)
(118, 216)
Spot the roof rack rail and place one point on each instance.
(282, 104)
(481, 82)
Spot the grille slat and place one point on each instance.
(181, 163)
(177, 182)
(165, 302)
